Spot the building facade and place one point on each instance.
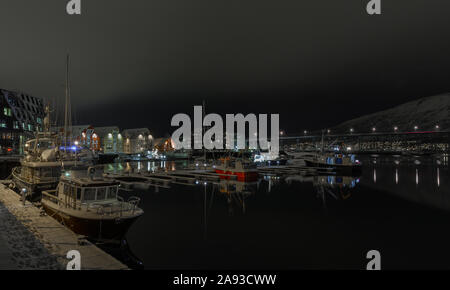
(101, 139)
(137, 140)
(20, 116)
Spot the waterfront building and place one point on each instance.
(110, 139)
(163, 144)
(137, 140)
(20, 116)
(104, 139)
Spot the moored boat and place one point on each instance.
(40, 169)
(243, 170)
(339, 162)
(89, 204)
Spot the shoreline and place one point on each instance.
(30, 240)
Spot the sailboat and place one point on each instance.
(46, 155)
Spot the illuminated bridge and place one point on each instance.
(375, 142)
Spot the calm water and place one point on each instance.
(399, 206)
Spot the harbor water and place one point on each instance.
(399, 206)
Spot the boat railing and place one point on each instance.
(118, 207)
(46, 195)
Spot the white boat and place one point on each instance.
(88, 204)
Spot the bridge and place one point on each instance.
(374, 142)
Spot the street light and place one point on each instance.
(374, 129)
(437, 126)
(351, 130)
(395, 128)
(328, 131)
(305, 132)
(416, 128)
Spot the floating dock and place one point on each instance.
(30, 239)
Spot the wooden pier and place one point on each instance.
(193, 176)
(33, 240)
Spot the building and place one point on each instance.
(20, 116)
(137, 140)
(111, 141)
(103, 139)
(164, 144)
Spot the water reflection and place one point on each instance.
(218, 224)
(396, 175)
(438, 180)
(420, 175)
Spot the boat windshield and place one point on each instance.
(98, 193)
(45, 145)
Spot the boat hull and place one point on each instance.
(33, 190)
(240, 176)
(97, 229)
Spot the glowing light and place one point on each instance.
(395, 128)
(76, 143)
(438, 180)
(374, 129)
(416, 128)
(437, 126)
(351, 130)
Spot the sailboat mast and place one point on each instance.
(67, 115)
(203, 133)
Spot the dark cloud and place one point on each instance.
(317, 63)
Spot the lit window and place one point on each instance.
(7, 112)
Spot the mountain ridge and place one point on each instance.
(425, 113)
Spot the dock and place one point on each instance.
(31, 240)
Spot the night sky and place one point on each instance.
(136, 63)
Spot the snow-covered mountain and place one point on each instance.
(425, 113)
